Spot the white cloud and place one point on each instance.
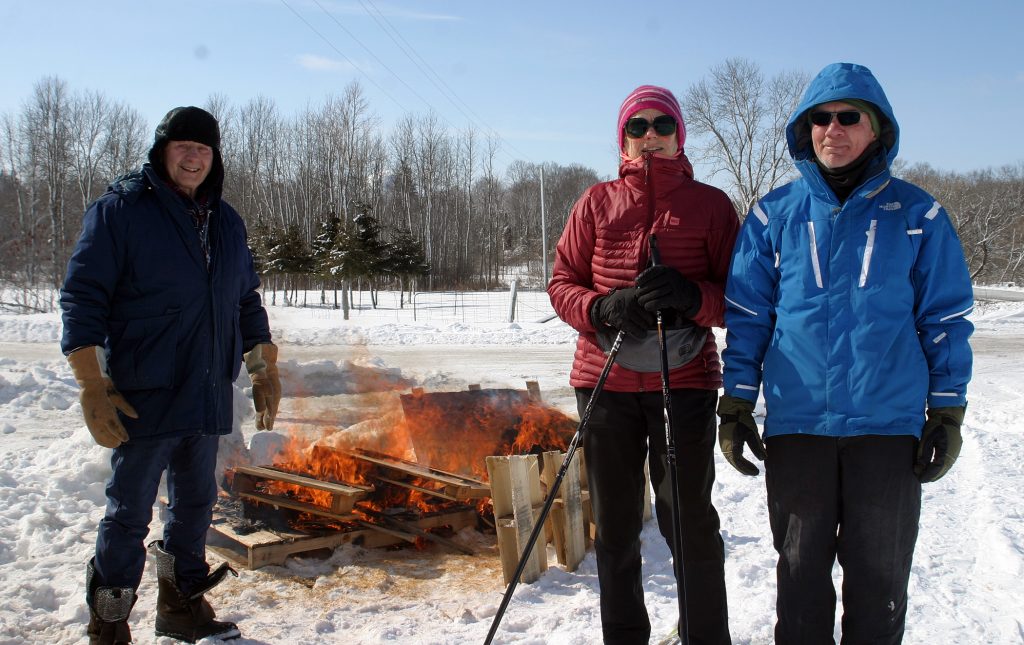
(324, 64)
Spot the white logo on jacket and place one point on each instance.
(891, 206)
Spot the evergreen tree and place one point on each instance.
(289, 256)
(323, 245)
(406, 261)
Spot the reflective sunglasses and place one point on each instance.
(663, 125)
(845, 117)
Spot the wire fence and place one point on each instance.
(439, 307)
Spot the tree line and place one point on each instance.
(332, 199)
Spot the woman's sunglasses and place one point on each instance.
(663, 125)
(845, 117)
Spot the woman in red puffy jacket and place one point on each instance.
(603, 282)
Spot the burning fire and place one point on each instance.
(456, 431)
(451, 432)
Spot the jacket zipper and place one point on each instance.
(814, 255)
(869, 249)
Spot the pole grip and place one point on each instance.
(652, 243)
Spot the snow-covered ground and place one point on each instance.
(965, 587)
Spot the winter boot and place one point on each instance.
(108, 610)
(189, 617)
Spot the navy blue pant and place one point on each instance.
(623, 427)
(855, 499)
(190, 463)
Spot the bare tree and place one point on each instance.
(126, 139)
(985, 208)
(87, 120)
(739, 118)
(49, 132)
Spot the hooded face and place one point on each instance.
(187, 163)
(838, 145)
(660, 145)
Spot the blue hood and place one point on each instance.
(836, 82)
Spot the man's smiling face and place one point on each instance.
(188, 163)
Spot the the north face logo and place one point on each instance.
(891, 206)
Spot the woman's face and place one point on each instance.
(661, 145)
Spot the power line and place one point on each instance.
(347, 59)
(430, 73)
(449, 94)
(382, 63)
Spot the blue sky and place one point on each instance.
(547, 76)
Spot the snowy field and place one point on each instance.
(965, 588)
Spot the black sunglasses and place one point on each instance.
(845, 117)
(663, 125)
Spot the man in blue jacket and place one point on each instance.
(160, 304)
(846, 306)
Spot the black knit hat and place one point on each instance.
(188, 124)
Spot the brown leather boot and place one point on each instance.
(188, 617)
(108, 611)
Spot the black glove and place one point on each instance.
(738, 428)
(940, 443)
(662, 287)
(620, 310)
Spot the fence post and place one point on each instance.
(512, 304)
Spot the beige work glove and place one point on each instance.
(261, 363)
(99, 398)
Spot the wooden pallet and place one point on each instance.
(343, 496)
(521, 484)
(265, 547)
(399, 472)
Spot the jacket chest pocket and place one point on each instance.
(888, 251)
(802, 250)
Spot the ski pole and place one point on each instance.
(539, 526)
(670, 458)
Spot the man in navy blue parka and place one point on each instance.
(160, 310)
(846, 309)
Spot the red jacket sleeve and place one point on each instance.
(571, 288)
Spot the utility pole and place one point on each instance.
(543, 231)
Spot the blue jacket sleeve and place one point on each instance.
(91, 278)
(943, 298)
(253, 322)
(749, 307)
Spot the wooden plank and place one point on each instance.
(504, 526)
(533, 390)
(568, 530)
(283, 502)
(571, 494)
(415, 530)
(515, 482)
(551, 461)
(456, 486)
(276, 474)
(261, 548)
(401, 535)
(426, 491)
(524, 473)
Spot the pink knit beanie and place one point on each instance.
(651, 96)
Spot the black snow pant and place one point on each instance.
(851, 498)
(623, 425)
